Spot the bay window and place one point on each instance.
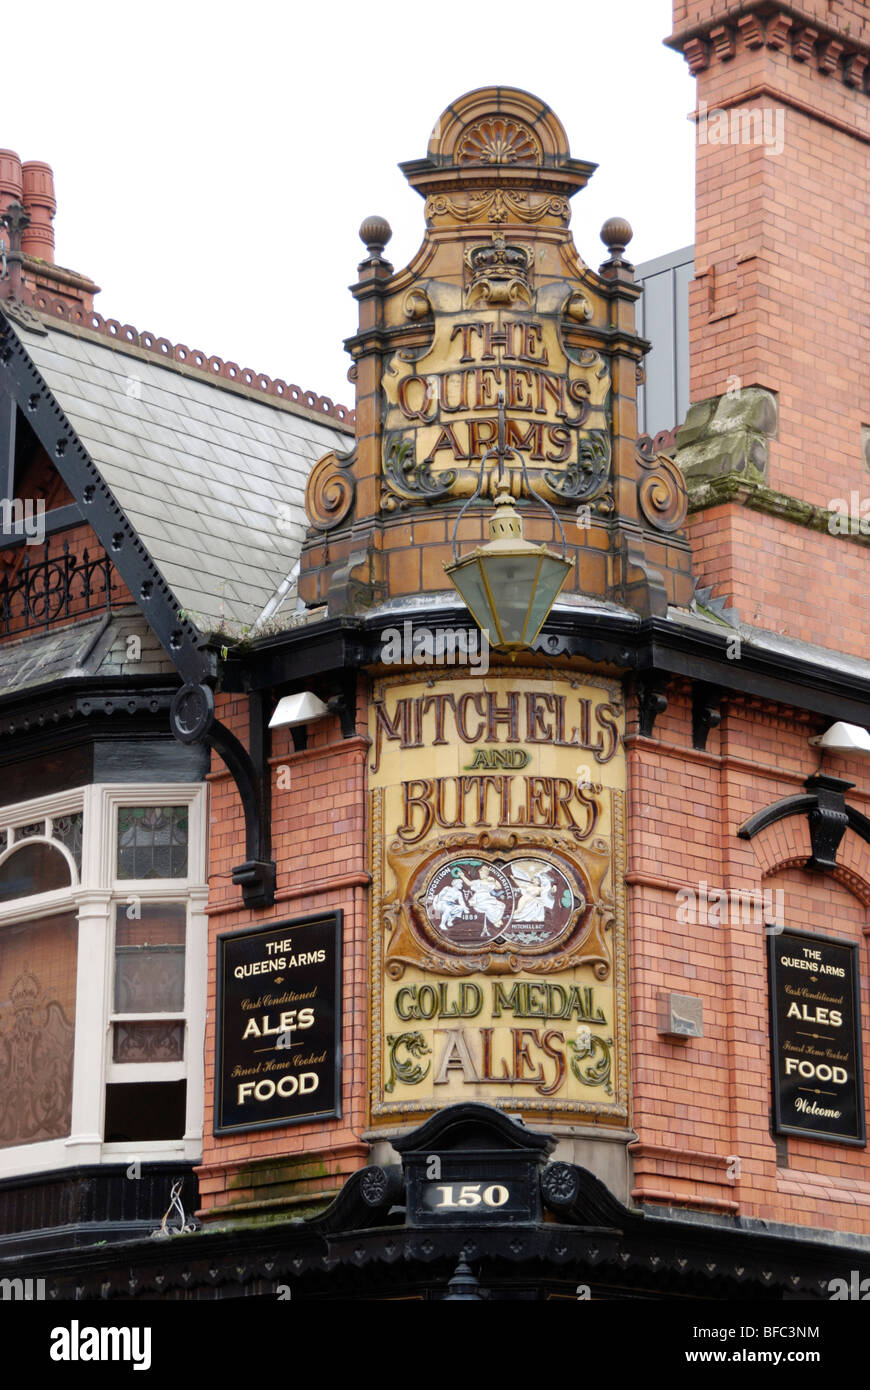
(102, 976)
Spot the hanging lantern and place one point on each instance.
(509, 585)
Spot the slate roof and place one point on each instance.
(97, 646)
(211, 476)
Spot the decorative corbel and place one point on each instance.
(651, 700)
(824, 805)
(343, 704)
(706, 714)
(829, 819)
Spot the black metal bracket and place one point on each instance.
(706, 714)
(824, 804)
(829, 819)
(256, 877)
(192, 721)
(344, 704)
(651, 700)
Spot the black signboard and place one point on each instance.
(279, 1024)
(815, 1018)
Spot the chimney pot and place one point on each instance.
(11, 185)
(39, 199)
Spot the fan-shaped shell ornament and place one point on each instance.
(498, 140)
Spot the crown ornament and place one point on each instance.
(500, 272)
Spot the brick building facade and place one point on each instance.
(576, 894)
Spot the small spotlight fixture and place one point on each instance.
(843, 738)
(301, 708)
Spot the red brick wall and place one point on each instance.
(319, 844)
(781, 297)
(698, 1103)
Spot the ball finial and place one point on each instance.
(375, 232)
(616, 234)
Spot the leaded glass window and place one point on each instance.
(152, 842)
(25, 832)
(68, 831)
(148, 1042)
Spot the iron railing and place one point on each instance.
(48, 590)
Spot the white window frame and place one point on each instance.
(94, 896)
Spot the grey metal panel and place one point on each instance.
(683, 276)
(663, 318)
(193, 463)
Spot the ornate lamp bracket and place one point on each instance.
(192, 721)
(502, 452)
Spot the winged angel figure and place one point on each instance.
(537, 890)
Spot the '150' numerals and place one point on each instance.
(471, 1194)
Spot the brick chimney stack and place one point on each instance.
(42, 283)
(777, 436)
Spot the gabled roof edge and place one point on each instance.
(179, 637)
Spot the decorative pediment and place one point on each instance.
(496, 308)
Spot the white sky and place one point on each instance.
(213, 161)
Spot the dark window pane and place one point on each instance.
(149, 958)
(37, 1028)
(152, 842)
(147, 1110)
(148, 1042)
(34, 868)
(68, 829)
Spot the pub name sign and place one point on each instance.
(818, 1088)
(278, 1026)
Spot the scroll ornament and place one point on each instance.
(331, 489)
(661, 489)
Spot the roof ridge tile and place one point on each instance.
(211, 367)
